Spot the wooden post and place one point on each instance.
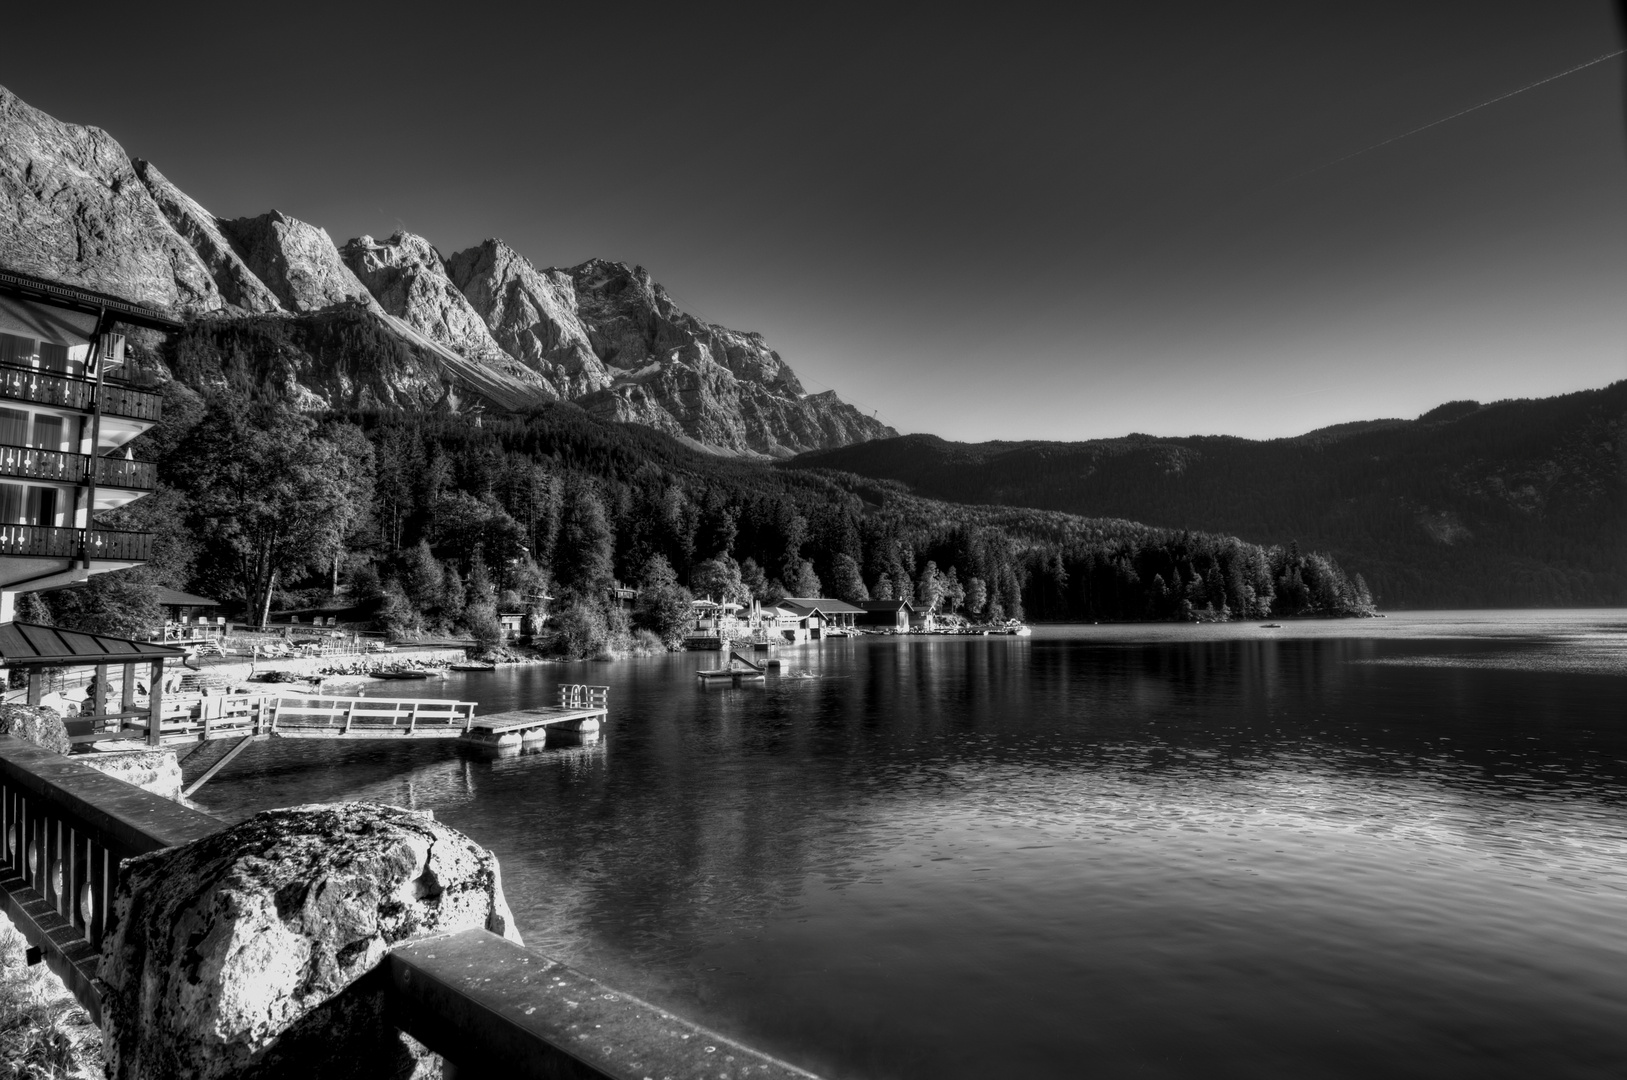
(127, 697)
(36, 688)
(350, 708)
(155, 704)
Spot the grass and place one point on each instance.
(43, 1031)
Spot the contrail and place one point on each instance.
(1454, 116)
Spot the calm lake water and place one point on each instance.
(1352, 849)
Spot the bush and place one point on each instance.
(581, 631)
(484, 626)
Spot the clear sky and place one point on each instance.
(1063, 223)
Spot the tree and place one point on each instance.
(121, 604)
(584, 559)
(452, 596)
(883, 589)
(663, 606)
(480, 589)
(846, 581)
(804, 582)
(928, 590)
(273, 497)
(424, 582)
(720, 579)
(400, 617)
(484, 626)
(582, 630)
(752, 576)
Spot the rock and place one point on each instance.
(406, 276)
(156, 771)
(73, 209)
(297, 261)
(237, 284)
(532, 315)
(32, 723)
(253, 952)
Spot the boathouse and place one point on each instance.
(821, 616)
(894, 615)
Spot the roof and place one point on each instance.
(25, 644)
(823, 604)
(177, 598)
(885, 605)
(88, 300)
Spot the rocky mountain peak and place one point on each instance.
(73, 209)
(237, 283)
(408, 278)
(297, 261)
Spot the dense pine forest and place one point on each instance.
(1517, 503)
(435, 521)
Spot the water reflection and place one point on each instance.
(1164, 850)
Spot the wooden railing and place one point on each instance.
(122, 399)
(30, 463)
(66, 392)
(487, 1005)
(43, 388)
(49, 541)
(293, 717)
(126, 473)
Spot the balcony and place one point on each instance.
(126, 473)
(49, 542)
(27, 463)
(65, 392)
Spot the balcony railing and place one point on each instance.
(65, 392)
(28, 463)
(126, 473)
(44, 388)
(33, 464)
(122, 399)
(50, 542)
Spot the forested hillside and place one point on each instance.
(436, 520)
(1518, 503)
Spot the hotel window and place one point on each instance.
(16, 350)
(12, 500)
(54, 357)
(48, 433)
(13, 429)
(41, 506)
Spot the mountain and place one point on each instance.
(483, 328)
(1515, 503)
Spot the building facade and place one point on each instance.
(67, 415)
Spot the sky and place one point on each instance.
(1068, 222)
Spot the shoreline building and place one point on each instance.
(66, 418)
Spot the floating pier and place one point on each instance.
(580, 710)
(737, 670)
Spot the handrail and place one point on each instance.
(56, 389)
(50, 541)
(64, 829)
(33, 463)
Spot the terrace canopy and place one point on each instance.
(37, 649)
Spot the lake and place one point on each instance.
(1365, 848)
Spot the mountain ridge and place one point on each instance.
(497, 331)
(1518, 502)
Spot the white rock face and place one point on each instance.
(236, 282)
(297, 261)
(532, 315)
(244, 953)
(73, 209)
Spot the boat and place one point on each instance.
(1271, 626)
(400, 674)
(474, 667)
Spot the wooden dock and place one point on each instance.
(738, 670)
(250, 718)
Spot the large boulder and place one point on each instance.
(253, 952)
(35, 724)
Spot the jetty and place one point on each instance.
(244, 719)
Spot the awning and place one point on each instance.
(30, 645)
